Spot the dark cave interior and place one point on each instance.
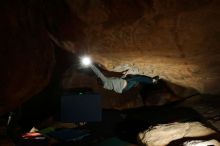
(42, 42)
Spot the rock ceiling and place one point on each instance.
(176, 39)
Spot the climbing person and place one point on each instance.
(119, 84)
(125, 82)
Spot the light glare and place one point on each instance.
(86, 61)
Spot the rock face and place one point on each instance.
(27, 54)
(176, 39)
(198, 143)
(164, 134)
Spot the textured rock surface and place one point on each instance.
(27, 55)
(176, 39)
(163, 134)
(207, 106)
(199, 142)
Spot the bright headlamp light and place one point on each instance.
(86, 61)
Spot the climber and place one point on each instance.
(123, 83)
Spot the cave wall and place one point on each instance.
(29, 60)
(27, 54)
(175, 39)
